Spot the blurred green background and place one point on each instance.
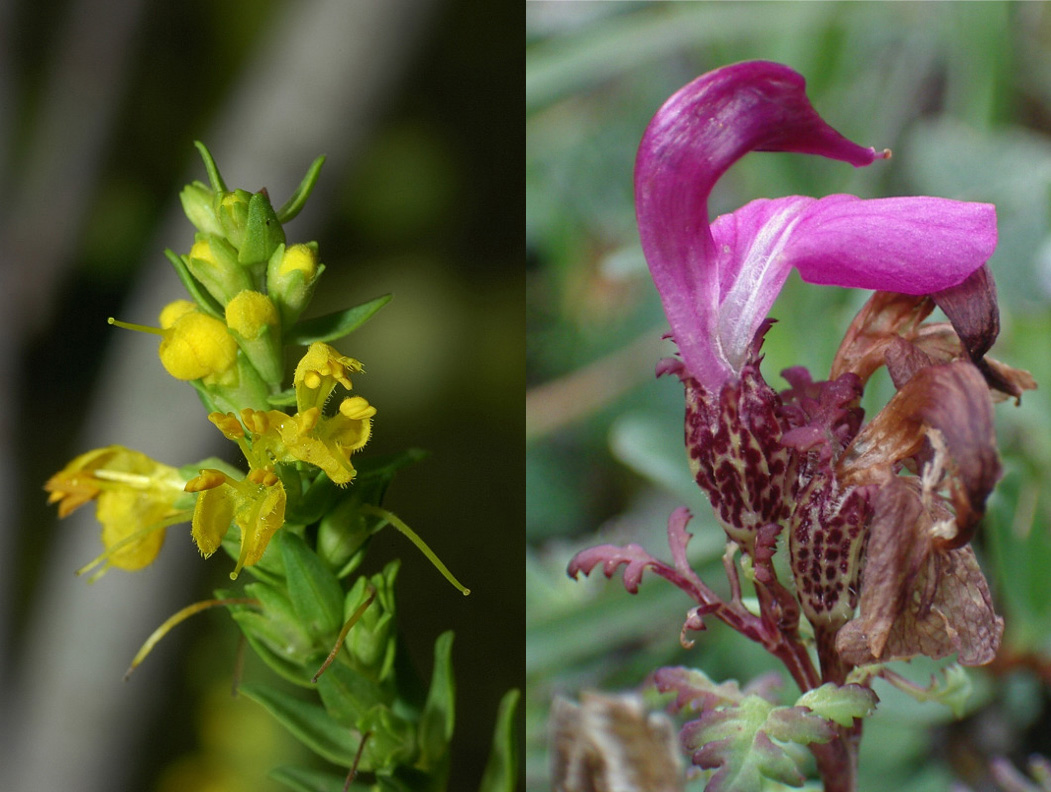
(413, 102)
(962, 94)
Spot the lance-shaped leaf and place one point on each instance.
(333, 326)
(501, 771)
(314, 591)
(311, 725)
(439, 713)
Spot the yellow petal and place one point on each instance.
(128, 515)
(212, 515)
(318, 372)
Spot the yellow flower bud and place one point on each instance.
(291, 274)
(299, 258)
(255, 324)
(197, 346)
(213, 261)
(249, 313)
(173, 311)
(203, 250)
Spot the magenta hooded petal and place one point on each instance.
(716, 289)
(916, 245)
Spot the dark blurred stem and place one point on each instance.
(837, 761)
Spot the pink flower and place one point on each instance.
(718, 280)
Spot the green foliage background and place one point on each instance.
(962, 94)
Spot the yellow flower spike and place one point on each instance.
(256, 505)
(318, 372)
(135, 501)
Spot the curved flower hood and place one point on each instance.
(717, 281)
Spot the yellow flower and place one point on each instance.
(256, 504)
(195, 345)
(135, 501)
(325, 442)
(320, 369)
(267, 437)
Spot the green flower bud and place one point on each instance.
(213, 261)
(372, 641)
(291, 275)
(232, 211)
(198, 202)
(341, 535)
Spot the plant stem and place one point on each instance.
(837, 761)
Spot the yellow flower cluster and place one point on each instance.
(137, 497)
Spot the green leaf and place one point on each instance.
(263, 232)
(302, 779)
(315, 592)
(734, 741)
(309, 723)
(294, 204)
(334, 325)
(501, 771)
(254, 626)
(439, 713)
(275, 634)
(746, 737)
(218, 185)
(348, 694)
(320, 497)
(841, 704)
(204, 300)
